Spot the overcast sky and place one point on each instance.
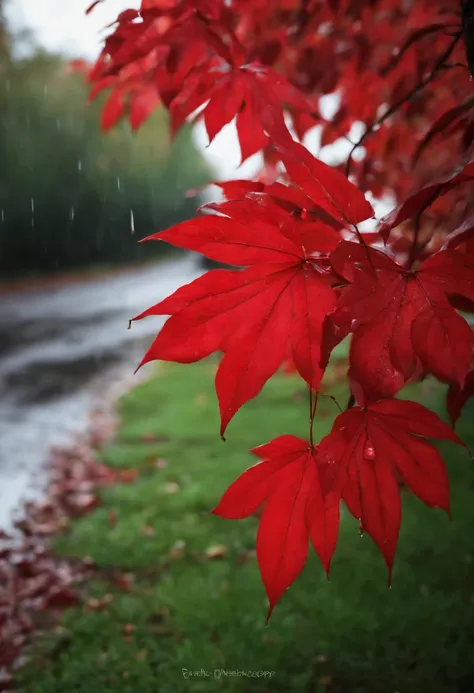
(62, 25)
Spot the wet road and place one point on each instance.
(58, 349)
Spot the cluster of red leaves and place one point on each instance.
(36, 585)
(306, 277)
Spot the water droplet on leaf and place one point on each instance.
(369, 451)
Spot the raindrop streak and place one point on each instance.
(369, 452)
(58, 124)
(32, 205)
(45, 90)
(118, 183)
(132, 222)
(73, 213)
(2, 216)
(79, 165)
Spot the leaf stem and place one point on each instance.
(313, 403)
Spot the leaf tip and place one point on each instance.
(269, 613)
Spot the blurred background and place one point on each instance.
(175, 591)
(73, 205)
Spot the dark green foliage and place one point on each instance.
(72, 196)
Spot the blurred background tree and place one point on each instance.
(70, 196)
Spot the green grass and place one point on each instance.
(190, 612)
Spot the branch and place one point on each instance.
(467, 18)
(398, 104)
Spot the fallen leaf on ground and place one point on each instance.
(161, 463)
(217, 551)
(177, 550)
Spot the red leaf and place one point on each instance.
(61, 598)
(463, 234)
(295, 510)
(249, 491)
(442, 123)
(142, 106)
(252, 315)
(222, 107)
(327, 187)
(113, 110)
(252, 92)
(419, 201)
(368, 447)
(252, 137)
(401, 320)
(282, 538)
(444, 342)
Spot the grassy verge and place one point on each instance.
(194, 603)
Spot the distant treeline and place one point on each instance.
(72, 196)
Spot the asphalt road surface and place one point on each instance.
(59, 347)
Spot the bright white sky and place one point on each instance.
(61, 25)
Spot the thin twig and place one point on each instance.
(322, 394)
(393, 109)
(417, 224)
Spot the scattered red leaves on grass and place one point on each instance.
(35, 584)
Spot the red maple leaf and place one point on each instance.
(255, 314)
(290, 198)
(299, 288)
(402, 321)
(252, 92)
(324, 185)
(287, 481)
(366, 450)
(419, 201)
